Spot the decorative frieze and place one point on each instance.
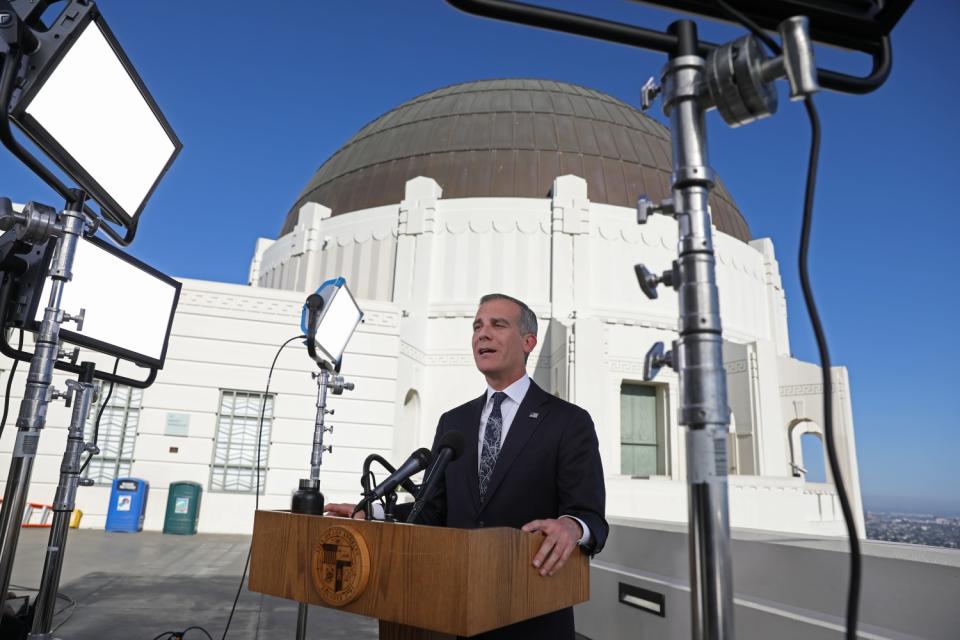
(814, 389)
(247, 304)
(737, 366)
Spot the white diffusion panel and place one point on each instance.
(338, 323)
(126, 307)
(92, 107)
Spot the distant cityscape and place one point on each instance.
(914, 528)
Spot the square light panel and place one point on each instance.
(86, 108)
(128, 305)
(338, 320)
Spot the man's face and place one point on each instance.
(499, 347)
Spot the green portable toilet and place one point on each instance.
(183, 508)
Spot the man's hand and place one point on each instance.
(342, 510)
(562, 536)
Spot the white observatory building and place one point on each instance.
(525, 187)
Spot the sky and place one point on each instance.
(262, 93)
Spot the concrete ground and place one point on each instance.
(135, 586)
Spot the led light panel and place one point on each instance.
(338, 319)
(92, 115)
(129, 305)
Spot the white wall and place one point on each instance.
(225, 337)
(572, 261)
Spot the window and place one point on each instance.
(117, 434)
(813, 458)
(643, 448)
(235, 445)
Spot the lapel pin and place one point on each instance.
(534, 415)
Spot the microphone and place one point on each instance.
(407, 483)
(449, 449)
(418, 461)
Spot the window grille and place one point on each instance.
(234, 468)
(117, 435)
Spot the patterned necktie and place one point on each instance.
(491, 442)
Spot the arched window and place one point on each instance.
(813, 457)
(807, 458)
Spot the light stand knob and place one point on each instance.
(655, 359)
(647, 207)
(649, 282)
(648, 93)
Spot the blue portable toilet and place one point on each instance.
(128, 504)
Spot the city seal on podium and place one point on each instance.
(341, 566)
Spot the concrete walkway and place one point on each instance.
(136, 586)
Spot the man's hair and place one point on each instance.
(528, 319)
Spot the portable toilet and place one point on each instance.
(183, 508)
(128, 504)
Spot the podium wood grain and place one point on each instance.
(452, 581)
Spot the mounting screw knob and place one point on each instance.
(77, 318)
(644, 209)
(648, 281)
(328, 429)
(648, 93)
(655, 359)
(328, 448)
(86, 482)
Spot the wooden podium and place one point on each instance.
(422, 583)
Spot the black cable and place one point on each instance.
(853, 591)
(96, 424)
(13, 370)
(263, 408)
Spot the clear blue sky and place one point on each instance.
(262, 93)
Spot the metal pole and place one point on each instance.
(302, 621)
(316, 454)
(698, 355)
(38, 393)
(84, 392)
(313, 485)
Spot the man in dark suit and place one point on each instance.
(531, 461)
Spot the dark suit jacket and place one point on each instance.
(549, 466)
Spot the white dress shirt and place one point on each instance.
(508, 410)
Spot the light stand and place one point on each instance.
(84, 391)
(737, 80)
(36, 225)
(308, 498)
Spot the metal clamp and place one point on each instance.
(647, 208)
(740, 75)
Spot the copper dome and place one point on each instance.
(506, 138)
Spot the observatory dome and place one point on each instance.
(506, 138)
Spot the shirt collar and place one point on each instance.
(515, 391)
